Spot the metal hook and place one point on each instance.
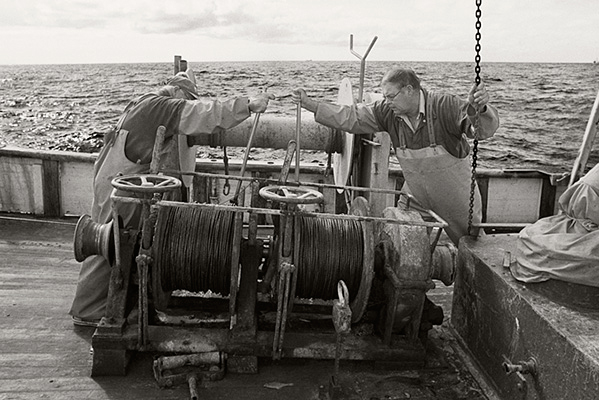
(342, 293)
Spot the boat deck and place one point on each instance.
(43, 356)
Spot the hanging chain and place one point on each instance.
(226, 186)
(477, 117)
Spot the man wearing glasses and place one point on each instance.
(429, 132)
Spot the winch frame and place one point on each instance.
(239, 333)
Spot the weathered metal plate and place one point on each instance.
(342, 162)
(360, 207)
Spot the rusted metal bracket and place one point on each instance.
(189, 368)
(399, 286)
(286, 273)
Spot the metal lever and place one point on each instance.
(341, 320)
(246, 155)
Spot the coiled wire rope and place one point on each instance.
(331, 250)
(193, 249)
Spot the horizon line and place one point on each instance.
(298, 61)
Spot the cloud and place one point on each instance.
(201, 17)
(443, 30)
(54, 14)
(311, 22)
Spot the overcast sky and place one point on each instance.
(124, 31)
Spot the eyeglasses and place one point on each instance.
(390, 98)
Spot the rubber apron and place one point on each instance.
(110, 163)
(440, 182)
(92, 286)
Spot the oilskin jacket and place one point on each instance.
(128, 150)
(564, 246)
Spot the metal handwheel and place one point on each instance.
(291, 194)
(146, 183)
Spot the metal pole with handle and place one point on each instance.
(235, 198)
(587, 143)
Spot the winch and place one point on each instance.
(260, 276)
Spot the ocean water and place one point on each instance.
(544, 108)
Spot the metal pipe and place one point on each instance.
(587, 143)
(196, 359)
(278, 182)
(275, 133)
(270, 211)
(524, 367)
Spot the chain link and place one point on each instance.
(477, 118)
(226, 186)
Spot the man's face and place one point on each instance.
(398, 98)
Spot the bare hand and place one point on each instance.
(298, 96)
(259, 103)
(478, 96)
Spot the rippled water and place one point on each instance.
(544, 108)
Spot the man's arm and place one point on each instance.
(489, 121)
(358, 119)
(478, 98)
(212, 116)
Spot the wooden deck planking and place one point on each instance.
(42, 355)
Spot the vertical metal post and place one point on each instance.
(298, 130)
(362, 63)
(177, 64)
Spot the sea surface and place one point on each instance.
(544, 108)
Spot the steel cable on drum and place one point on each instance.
(331, 250)
(193, 249)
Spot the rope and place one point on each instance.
(477, 118)
(331, 250)
(193, 249)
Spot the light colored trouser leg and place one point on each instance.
(92, 289)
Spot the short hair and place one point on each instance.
(402, 77)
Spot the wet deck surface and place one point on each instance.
(43, 356)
